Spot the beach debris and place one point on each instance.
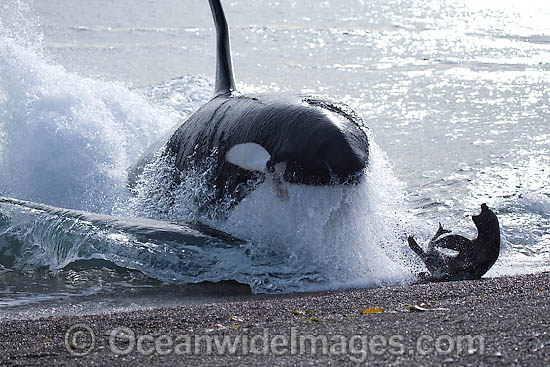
(308, 313)
(422, 307)
(417, 308)
(366, 311)
(236, 319)
(216, 327)
(46, 339)
(540, 289)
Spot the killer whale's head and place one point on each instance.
(327, 144)
(305, 141)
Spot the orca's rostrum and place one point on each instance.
(297, 139)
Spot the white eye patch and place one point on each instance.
(249, 156)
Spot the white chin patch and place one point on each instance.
(249, 156)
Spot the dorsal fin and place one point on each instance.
(225, 81)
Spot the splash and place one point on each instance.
(322, 236)
(66, 140)
(350, 232)
(156, 196)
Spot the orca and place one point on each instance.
(142, 229)
(475, 257)
(296, 139)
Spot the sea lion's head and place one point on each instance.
(487, 223)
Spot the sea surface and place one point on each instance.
(455, 93)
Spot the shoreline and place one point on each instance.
(490, 321)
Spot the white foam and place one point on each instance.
(68, 140)
(349, 234)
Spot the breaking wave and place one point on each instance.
(67, 141)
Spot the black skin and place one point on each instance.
(322, 143)
(318, 142)
(475, 257)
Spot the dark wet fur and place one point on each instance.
(475, 257)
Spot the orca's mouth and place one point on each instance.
(320, 173)
(335, 169)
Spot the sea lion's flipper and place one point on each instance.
(225, 80)
(433, 259)
(440, 231)
(415, 247)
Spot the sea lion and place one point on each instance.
(474, 258)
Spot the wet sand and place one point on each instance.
(496, 321)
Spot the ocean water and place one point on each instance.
(455, 94)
